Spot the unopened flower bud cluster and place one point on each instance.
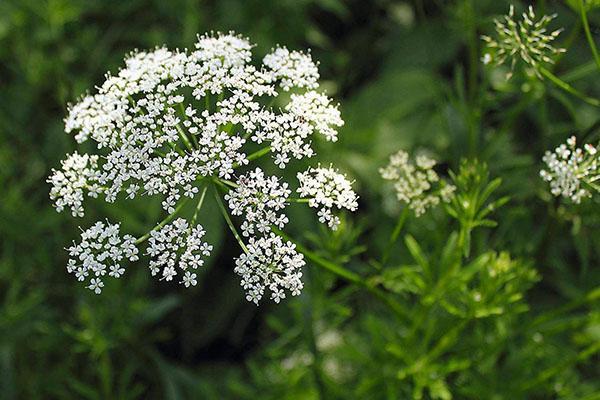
(526, 39)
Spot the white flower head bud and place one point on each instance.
(326, 188)
(526, 39)
(416, 183)
(571, 171)
(100, 253)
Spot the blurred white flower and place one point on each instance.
(416, 183)
(571, 171)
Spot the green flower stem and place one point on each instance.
(184, 137)
(229, 222)
(194, 140)
(199, 205)
(395, 234)
(588, 33)
(165, 221)
(225, 182)
(297, 200)
(548, 373)
(255, 155)
(347, 275)
(568, 88)
(259, 153)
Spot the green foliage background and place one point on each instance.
(407, 75)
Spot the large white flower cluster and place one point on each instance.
(572, 172)
(416, 182)
(172, 123)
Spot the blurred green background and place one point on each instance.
(407, 75)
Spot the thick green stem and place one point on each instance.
(588, 33)
(568, 88)
(165, 221)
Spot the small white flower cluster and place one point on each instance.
(572, 171)
(260, 200)
(526, 39)
(178, 245)
(100, 252)
(271, 263)
(267, 262)
(171, 121)
(327, 188)
(79, 173)
(416, 184)
(292, 69)
(288, 132)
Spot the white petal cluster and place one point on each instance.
(101, 252)
(292, 69)
(289, 132)
(79, 175)
(260, 200)
(326, 188)
(572, 171)
(177, 247)
(416, 183)
(170, 121)
(527, 39)
(270, 263)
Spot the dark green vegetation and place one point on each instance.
(463, 308)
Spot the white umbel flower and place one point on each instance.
(416, 183)
(571, 171)
(171, 122)
(177, 247)
(99, 253)
(260, 200)
(326, 188)
(270, 263)
(79, 175)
